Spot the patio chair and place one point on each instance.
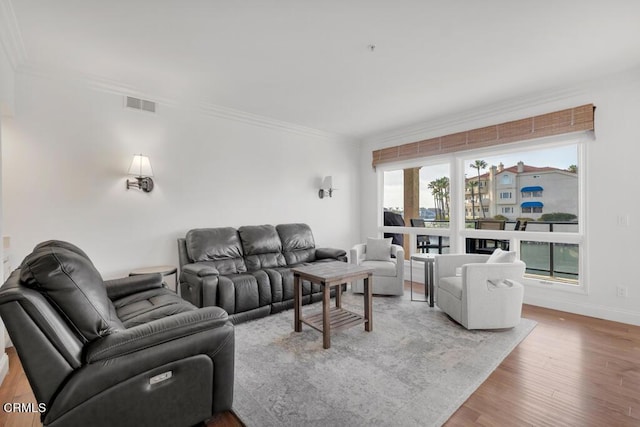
(394, 219)
(487, 246)
(424, 241)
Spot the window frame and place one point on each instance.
(457, 232)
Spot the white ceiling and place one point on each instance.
(309, 63)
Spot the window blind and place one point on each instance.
(556, 123)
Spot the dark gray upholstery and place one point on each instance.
(61, 244)
(89, 348)
(267, 253)
(74, 286)
(219, 246)
(262, 247)
(297, 243)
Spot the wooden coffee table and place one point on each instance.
(328, 275)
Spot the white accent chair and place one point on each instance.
(388, 275)
(480, 294)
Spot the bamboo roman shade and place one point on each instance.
(565, 121)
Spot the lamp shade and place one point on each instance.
(140, 166)
(327, 182)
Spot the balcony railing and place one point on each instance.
(550, 249)
(544, 259)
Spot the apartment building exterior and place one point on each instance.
(521, 191)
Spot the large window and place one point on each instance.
(435, 194)
(541, 195)
(546, 177)
(422, 196)
(393, 193)
(533, 188)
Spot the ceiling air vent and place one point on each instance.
(140, 104)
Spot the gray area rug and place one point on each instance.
(415, 368)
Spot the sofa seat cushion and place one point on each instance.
(150, 305)
(381, 268)
(244, 291)
(453, 285)
(282, 283)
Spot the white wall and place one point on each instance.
(612, 176)
(6, 85)
(6, 108)
(68, 149)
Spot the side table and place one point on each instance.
(328, 275)
(428, 260)
(165, 270)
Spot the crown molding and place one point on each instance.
(101, 84)
(563, 97)
(10, 36)
(486, 112)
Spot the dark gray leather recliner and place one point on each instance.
(124, 352)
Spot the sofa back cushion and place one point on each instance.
(221, 246)
(297, 243)
(262, 247)
(74, 287)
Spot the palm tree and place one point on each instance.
(477, 165)
(435, 191)
(440, 191)
(443, 184)
(472, 185)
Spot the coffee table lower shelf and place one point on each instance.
(332, 275)
(339, 319)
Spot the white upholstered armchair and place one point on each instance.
(388, 274)
(480, 294)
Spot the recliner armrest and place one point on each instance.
(200, 269)
(118, 288)
(199, 283)
(154, 333)
(325, 253)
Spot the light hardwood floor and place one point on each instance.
(570, 371)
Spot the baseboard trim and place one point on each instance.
(591, 310)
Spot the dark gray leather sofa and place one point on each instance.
(247, 271)
(124, 352)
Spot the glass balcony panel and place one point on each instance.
(558, 261)
(565, 261)
(537, 257)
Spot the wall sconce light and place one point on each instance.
(141, 168)
(326, 188)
